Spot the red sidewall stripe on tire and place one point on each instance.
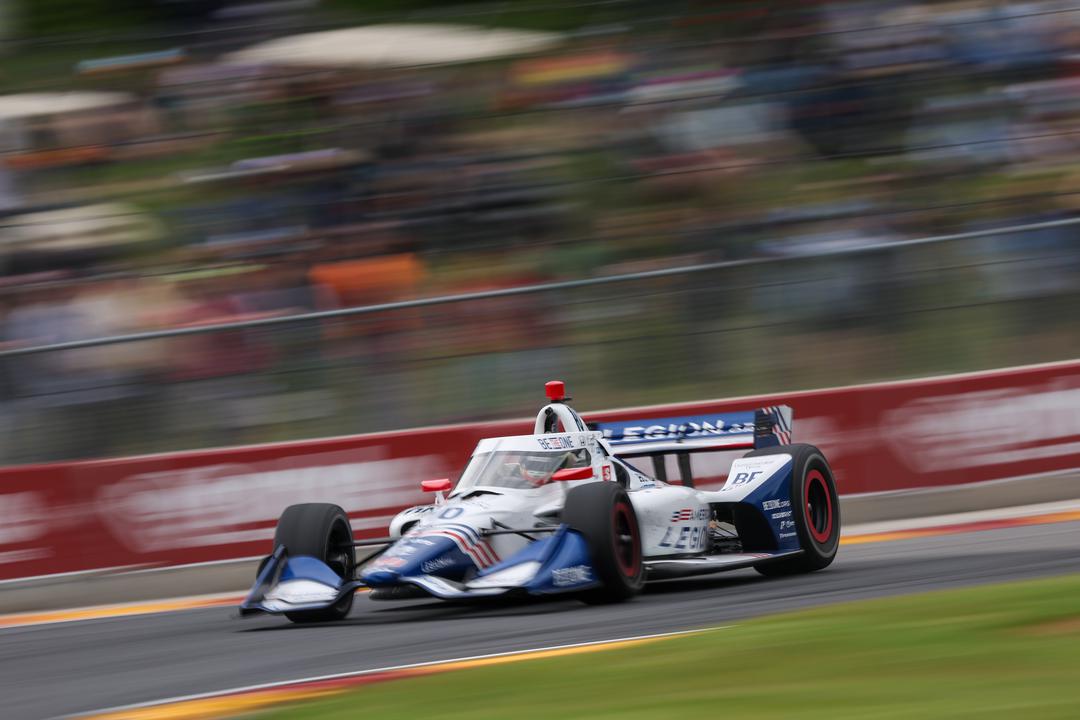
(622, 509)
(812, 477)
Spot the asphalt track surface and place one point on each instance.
(53, 670)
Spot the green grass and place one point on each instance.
(1002, 651)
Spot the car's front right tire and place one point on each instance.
(602, 513)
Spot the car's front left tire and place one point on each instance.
(321, 531)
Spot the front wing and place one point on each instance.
(555, 564)
(293, 584)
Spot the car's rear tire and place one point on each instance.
(602, 513)
(815, 509)
(321, 531)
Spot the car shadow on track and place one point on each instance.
(369, 612)
(703, 582)
(389, 612)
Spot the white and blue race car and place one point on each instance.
(562, 511)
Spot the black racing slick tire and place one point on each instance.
(602, 513)
(815, 510)
(322, 531)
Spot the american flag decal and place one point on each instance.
(468, 540)
(682, 515)
(781, 429)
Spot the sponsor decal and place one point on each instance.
(778, 515)
(766, 462)
(773, 421)
(390, 562)
(23, 517)
(16, 556)
(574, 575)
(986, 427)
(556, 443)
(210, 505)
(607, 473)
(439, 563)
(468, 540)
(742, 478)
(689, 514)
(671, 429)
(684, 537)
(748, 474)
(775, 504)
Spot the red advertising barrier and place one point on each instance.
(193, 507)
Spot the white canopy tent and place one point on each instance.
(27, 105)
(77, 228)
(395, 46)
(60, 113)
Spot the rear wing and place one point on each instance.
(764, 427)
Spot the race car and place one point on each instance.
(563, 511)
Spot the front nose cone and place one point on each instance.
(433, 554)
(378, 577)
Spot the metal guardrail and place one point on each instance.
(525, 290)
(913, 307)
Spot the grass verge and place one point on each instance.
(997, 651)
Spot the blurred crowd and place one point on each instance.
(184, 186)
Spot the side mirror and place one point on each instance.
(440, 485)
(582, 473)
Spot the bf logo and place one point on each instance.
(745, 477)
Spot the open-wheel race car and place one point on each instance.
(561, 511)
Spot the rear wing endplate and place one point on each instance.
(764, 427)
